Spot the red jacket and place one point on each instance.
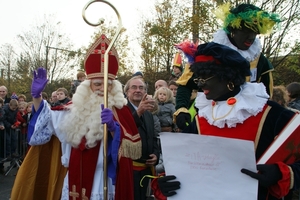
(22, 118)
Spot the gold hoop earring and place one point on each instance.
(230, 86)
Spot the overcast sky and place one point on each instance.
(19, 16)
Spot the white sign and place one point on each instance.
(209, 167)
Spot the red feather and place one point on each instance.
(188, 48)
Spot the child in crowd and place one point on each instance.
(28, 111)
(165, 99)
(22, 117)
(62, 96)
(21, 98)
(11, 123)
(75, 83)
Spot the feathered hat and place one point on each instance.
(188, 48)
(94, 59)
(247, 15)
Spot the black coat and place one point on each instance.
(2, 117)
(6, 100)
(145, 125)
(10, 116)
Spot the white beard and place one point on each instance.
(84, 119)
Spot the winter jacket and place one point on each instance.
(295, 104)
(10, 116)
(165, 114)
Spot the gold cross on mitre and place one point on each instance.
(94, 59)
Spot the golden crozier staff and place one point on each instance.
(120, 27)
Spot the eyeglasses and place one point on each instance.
(201, 80)
(135, 87)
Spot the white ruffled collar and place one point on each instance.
(251, 54)
(250, 101)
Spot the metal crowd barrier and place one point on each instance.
(12, 159)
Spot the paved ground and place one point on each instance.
(6, 182)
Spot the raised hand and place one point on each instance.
(39, 82)
(107, 117)
(145, 104)
(267, 175)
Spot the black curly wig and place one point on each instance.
(228, 64)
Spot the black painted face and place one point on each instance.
(212, 87)
(243, 38)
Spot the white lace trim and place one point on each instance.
(250, 101)
(251, 54)
(42, 131)
(97, 188)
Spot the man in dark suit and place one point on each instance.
(141, 107)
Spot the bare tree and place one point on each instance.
(159, 34)
(45, 45)
(7, 61)
(284, 41)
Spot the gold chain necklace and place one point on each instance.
(231, 102)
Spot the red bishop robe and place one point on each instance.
(83, 161)
(127, 147)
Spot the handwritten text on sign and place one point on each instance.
(202, 161)
(209, 167)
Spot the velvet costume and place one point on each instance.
(40, 176)
(253, 55)
(44, 127)
(270, 117)
(243, 110)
